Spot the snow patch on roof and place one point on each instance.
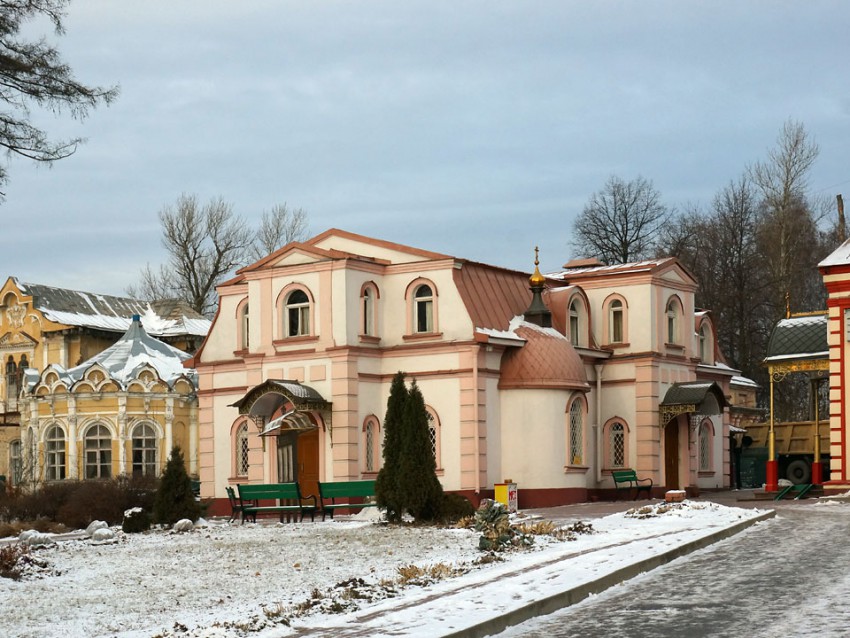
(737, 380)
(519, 321)
(126, 358)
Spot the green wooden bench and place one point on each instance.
(289, 495)
(628, 480)
(345, 490)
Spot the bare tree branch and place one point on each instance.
(33, 74)
(279, 227)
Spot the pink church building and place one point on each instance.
(551, 382)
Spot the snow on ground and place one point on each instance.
(236, 580)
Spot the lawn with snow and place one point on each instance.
(251, 580)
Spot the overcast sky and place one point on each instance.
(473, 128)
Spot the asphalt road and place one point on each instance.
(789, 576)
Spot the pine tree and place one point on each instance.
(419, 486)
(387, 484)
(174, 499)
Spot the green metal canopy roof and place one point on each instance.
(798, 338)
(693, 393)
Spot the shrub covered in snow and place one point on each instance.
(493, 521)
(136, 520)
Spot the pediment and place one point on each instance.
(17, 339)
(675, 273)
(297, 257)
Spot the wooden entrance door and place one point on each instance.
(671, 455)
(307, 455)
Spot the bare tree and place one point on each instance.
(205, 243)
(33, 74)
(621, 222)
(279, 227)
(789, 228)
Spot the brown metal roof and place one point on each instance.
(492, 296)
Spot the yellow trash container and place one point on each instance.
(507, 494)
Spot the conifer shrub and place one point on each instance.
(174, 499)
(421, 490)
(407, 482)
(387, 490)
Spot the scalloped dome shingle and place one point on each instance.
(547, 360)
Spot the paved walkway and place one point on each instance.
(498, 598)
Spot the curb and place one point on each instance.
(561, 600)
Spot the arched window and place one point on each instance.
(673, 320)
(617, 441)
(241, 449)
(576, 434)
(368, 310)
(11, 380)
(616, 322)
(297, 314)
(434, 435)
(706, 437)
(423, 309)
(615, 444)
(371, 445)
(577, 323)
(244, 326)
(16, 461)
(706, 346)
(54, 454)
(144, 450)
(98, 452)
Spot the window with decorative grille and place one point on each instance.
(370, 447)
(705, 448)
(576, 426)
(242, 450)
(618, 445)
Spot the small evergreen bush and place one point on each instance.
(174, 499)
(454, 507)
(136, 520)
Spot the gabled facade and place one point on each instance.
(295, 372)
(43, 325)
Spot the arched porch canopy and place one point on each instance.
(798, 343)
(262, 401)
(693, 397)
